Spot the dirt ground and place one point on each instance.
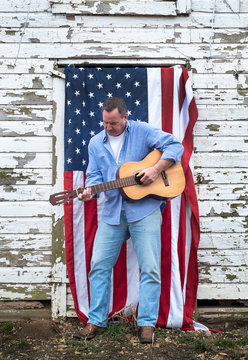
(48, 340)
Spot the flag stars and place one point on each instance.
(91, 76)
(109, 76)
(83, 142)
(118, 85)
(83, 103)
(99, 68)
(100, 85)
(77, 111)
(109, 95)
(129, 112)
(68, 102)
(100, 104)
(77, 131)
(77, 151)
(128, 94)
(69, 121)
(83, 84)
(136, 84)
(127, 76)
(69, 140)
(84, 162)
(83, 123)
(91, 95)
(137, 102)
(100, 123)
(77, 93)
(75, 76)
(91, 113)
(92, 133)
(68, 161)
(68, 84)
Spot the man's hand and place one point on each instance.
(85, 195)
(147, 176)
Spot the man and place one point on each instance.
(120, 141)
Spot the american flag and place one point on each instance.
(163, 97)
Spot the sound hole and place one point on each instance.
(138, 179)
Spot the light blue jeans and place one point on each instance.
(146, 237)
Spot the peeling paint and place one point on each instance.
(58, 240)
(22, 161)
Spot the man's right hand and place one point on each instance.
(85, 195)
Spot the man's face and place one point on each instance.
(114, 123)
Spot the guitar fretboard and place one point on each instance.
(114, 184)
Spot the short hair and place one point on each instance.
(113, 103)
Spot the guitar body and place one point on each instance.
(159, 189)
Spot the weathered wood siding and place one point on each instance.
(209, 36)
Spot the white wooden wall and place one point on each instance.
(210, 36)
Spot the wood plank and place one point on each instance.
(223, 192)
(163, 34)
(25, 128)
(24, 192)
(224, 258)
(221, 291)
(25, 292)
(231, 66)
(158, 8)
(221, 241)
(219, 81)
(14, 225)
(30, 81)
(220, 128)
(28, 144)
(222, 112)
(25, 258)
(213, 144)
(25, 97)
(25, 66)
(26, 160)
(219, 160)
(24, 6)
(195, 20)
(25, 177)
(220, 97)
(224, 208)
(221, 176)
(28, 242)
(39, 209)
(223, 274)
(26, 113)
(228, 6)
(223, 224)
(135, 50)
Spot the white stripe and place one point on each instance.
(79, 247)
(132, 278)
(154, 97)
(200, 327)
(177, 126)
(187, 245)
(175, 318)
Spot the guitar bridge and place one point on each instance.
(164, 177)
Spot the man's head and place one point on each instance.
(114, 113)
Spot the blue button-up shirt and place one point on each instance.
(140, 139)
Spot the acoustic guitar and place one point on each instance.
(168, 185)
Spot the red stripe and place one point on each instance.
(167, 87)
(120, 281)
(90, 227)
(182, 91)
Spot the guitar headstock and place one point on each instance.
(62, 197)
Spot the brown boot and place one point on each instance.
(89, 332)
(147, 334)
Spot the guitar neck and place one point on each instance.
(110, 185)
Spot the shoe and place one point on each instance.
(147, 334)
(89, 332)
